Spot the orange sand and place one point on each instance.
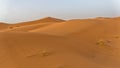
(56, 43)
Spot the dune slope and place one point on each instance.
(24, 50)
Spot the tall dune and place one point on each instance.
(43, 20)
(26, 26)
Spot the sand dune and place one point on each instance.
(88, 32)
(26, 26)
(65, 27)
(68, 27)
(88, 43)
(43, 20)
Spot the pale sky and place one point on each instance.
(13, 11)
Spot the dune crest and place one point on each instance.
(43, 20)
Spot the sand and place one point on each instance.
(3, 26)
(56, 43)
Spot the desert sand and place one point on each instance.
(3, 26)
(56, 43)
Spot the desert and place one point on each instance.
(55, 43)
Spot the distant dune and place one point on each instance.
(43, 20)
(56, 43)
(26, 26)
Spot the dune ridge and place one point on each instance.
(43, 20)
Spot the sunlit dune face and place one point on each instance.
(3, 8)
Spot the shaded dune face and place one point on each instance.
(56, 43)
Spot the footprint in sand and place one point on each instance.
(41, 53)
(11, 27)
(45, 53)
(103, 42)
(117, 37)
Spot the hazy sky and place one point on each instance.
(24, 10)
